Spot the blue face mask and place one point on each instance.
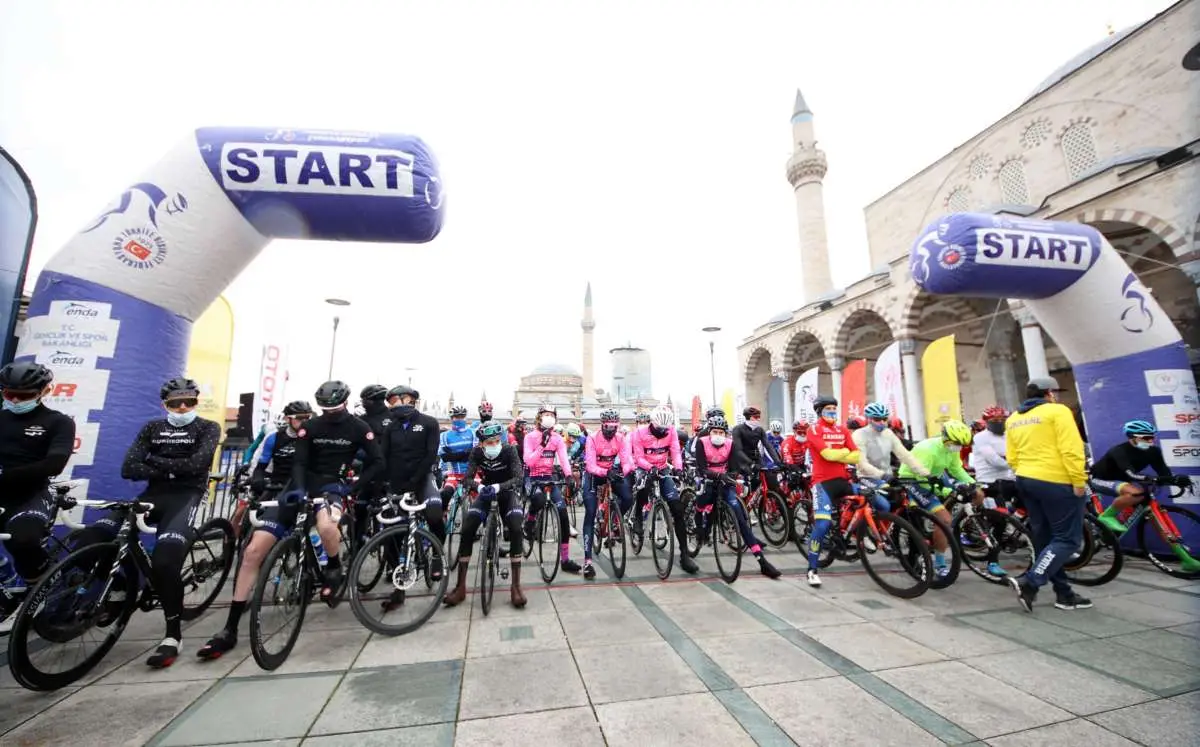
(829, 415)
(458, 425)
(20, 408)
(180, 419)
(879, 427)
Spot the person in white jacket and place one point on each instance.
(989, 455)
(878, 442)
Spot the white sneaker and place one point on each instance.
(813, 579)
(574, 532)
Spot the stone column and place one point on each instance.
(1031, 338)
(913, 387)
(1192, 270)
(783, 375)
(1004, 379)
(836, 364)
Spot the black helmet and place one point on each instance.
(373, 391)
(25, 376)
(178, 387)
(751, 412)
(402, 390)
(299, 407)
(718, 422)
(458, 411)
(332, 394)
(713, 412)
(820, 403)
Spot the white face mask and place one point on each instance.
(548, 421)
(718, 440)
(491, 451)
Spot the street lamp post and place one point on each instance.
(712, 366)
(336, 321)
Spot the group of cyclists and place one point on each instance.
(389, 448)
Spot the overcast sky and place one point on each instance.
(639, 145)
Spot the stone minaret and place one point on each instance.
(588, 324)
(805, 170)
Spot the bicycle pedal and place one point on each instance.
(503, 573)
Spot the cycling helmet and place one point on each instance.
(625, 430)
(800, 426)
(558, 428)
(485, 408)
(751, 412)
(547, 407)
(610, 416)
(332, 394)
(956, 431)
(995, 412)
(896, 424)
(372, 392)
(299, 407)
(27, 376)
(662, 417)
(642, 417)
(458, 411)
(713, 412)
(490, 429)
(718, 422)
(820, 403)
(181, 387)
(1139, 428)
(402, 390)
(520, 423)
(877, 411)
(574, 431)
(776, 426)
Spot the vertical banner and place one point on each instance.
(727, 406)
(697, 412)
(939, 369)
(806, 394)
(739, 405)
(854, 389)
(209, 357)
(889, 382)
(272, 378)
(18, 218)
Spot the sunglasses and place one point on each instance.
(301, 418)
(24, 395)
(181, 404)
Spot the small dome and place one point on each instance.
(780, 318)
(554, 369)
(1081, 59)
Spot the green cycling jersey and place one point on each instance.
(935, 457)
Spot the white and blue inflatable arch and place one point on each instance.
(1128, 358)
(112, 311)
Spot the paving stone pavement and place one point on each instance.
(688, 661)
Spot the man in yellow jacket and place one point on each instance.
(1046, 453)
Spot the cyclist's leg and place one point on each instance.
(620, 488)
(511, 513)
(822, 498)
(470, 528)
(754, 544)
(564, 526)
(174, 513)
(930, 502)
(1126, 495)
(28, 521)
(589, 514)
(666, 486)
(435, 517)
(537, 501)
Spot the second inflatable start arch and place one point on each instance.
(112, 311)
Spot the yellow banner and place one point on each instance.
(727, 405)
(209, 357)
(939, 370)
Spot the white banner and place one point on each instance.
(889, 383)
(806, 394)
(272, 383)
(739, 406)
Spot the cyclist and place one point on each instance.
(854, 422)
(495, 468)
(756, 449)
(410, 448)
(832, 450)
(602, 461)
(794, 450)
(378, 417)
(485, 415)
(879, 444)
(641, 421)
(1122, 469)
(775, 438)
(988, 455)
(454, 449)
(543, 446)
(274, 464)
(654, 451)
(897, 427)
(940, 456)
(575, 442)
(715, 454)
(35, 445)
(516, 435)
(173, 455)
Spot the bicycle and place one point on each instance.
(408, 549)
(1170, 551)
(662, 525)
(609, 527)
(489, 557)
(897, 492)
(716, 525)
(301, 574)
(768, 508)
(87, 577)
(546, 533)
(56, 548)
(984, 533)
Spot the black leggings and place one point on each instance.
(510, 513)
(29, 521)
(173, 515)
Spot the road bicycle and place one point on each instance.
(1161, 531)
(609, 532)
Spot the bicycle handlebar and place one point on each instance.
(139, 509)
(406, 508)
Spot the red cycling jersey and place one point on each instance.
(824, 436)
(793, 450)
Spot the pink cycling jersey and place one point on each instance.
(651, 452)
(599, 453)
(716, 458)
(540, 459)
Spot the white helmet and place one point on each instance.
(663, 417)
(776, 426)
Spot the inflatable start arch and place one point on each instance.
(1128, 358)
(112, 311)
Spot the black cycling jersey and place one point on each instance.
(519, 436)
(170, 456)
(326, 447)
(378, 416)
(1125, 460)
(278, 456)
(410, 446)
(505, 471)
(749, 441)
(33, 448)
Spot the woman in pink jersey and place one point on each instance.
(656, 455)
(605, 457)
(542, 447)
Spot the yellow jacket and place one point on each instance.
(1043, 443)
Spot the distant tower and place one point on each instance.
(805, 170)
(588, 324)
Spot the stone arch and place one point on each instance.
(794, 347)
(858, 309)
(754, 356)
(1172, 236)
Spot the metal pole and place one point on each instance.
(333, 346)
(712, 368)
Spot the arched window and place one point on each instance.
(1079, 148)
(957, 201)
(1013, 188)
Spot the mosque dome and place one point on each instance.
(1081, 59)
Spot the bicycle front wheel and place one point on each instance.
(662, 539)
(278, 603)
(928, 523)
(487, 563)
(727, 542)
(1171, 553)
(993, 536)
(898, 540)
(405, 602)
(549, 542)
(687, 497)
(615, 541)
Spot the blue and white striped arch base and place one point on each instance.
(112, 311)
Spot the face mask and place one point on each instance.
(879, 427)
(753, 423)
(20, 408)
(180, 419)
(657, 432)
(404, 412)
(829, 415)
(458, 424)
(492, 451)
(1138, 444)
(997, 428)
(718, 440)
(802, 439)
(547, 421)
(609, 430)
(484, 418)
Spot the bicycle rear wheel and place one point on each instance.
(900, 540)
(63, 608)
(727, 542)
(285, 586)
(662, 539)
(549, 542)
(209, 561)
(774, 518)
(1101, 557)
